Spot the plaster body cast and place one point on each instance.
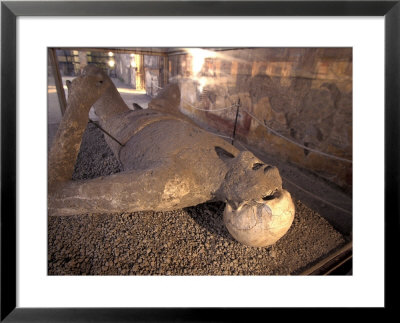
(169, 163)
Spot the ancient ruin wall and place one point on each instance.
(303, 94)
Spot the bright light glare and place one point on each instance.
(202, 83)
(198, 57)
(111, 54)
(111, 63)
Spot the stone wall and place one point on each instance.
(302, 94)
(123, 69)
(153, 76)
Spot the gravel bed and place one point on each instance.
(190, 241)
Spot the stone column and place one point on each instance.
(82, 60)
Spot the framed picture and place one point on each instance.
(367, 34)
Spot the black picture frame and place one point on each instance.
(10, 10)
